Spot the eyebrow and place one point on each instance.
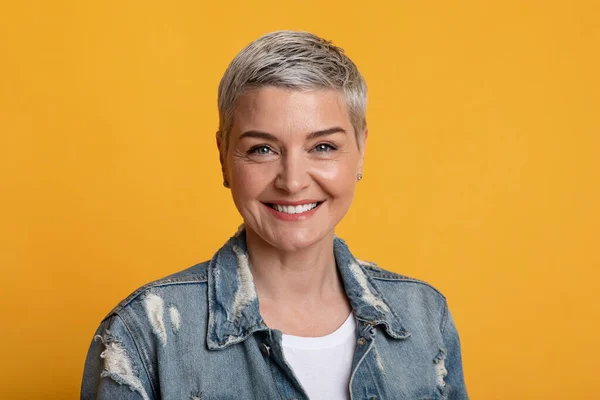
(312, 135)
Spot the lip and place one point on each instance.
(292, 203)
(293, 217)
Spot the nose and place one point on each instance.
(293, 176)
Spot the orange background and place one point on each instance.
(481, 176)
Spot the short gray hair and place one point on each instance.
(293, 60)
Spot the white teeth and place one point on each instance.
(294, 210)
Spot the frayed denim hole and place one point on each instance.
(441, 372)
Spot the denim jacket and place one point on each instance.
(198, 334)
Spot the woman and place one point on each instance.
(283, 310)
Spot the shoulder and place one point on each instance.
(170, 287)
(393, 279)
(131, 335)
(419, 304)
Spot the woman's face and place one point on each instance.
(292, 163)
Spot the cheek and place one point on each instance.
(249, 180)
(337, 178)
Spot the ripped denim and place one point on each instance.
(198, 334)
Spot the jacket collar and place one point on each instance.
(233, 312)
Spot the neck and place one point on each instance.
(308, 274)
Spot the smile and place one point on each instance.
(294, 212)
(294, 209)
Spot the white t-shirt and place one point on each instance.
(323, 364)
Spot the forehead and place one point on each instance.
(279, 110)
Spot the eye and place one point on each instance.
(260, 150)
(324, 148)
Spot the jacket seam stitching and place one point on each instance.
(411, 281)
(145, 289)
(444, 321)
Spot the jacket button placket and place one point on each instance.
(286, 383)
(365, 343)
(265, 349)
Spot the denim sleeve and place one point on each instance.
(113, 367)
(453, 361)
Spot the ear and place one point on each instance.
(222, 157)
(363, 146)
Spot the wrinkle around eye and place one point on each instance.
(241, 155)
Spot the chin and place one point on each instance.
(294, 244)
(293, 239)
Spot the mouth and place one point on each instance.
(294, 209)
